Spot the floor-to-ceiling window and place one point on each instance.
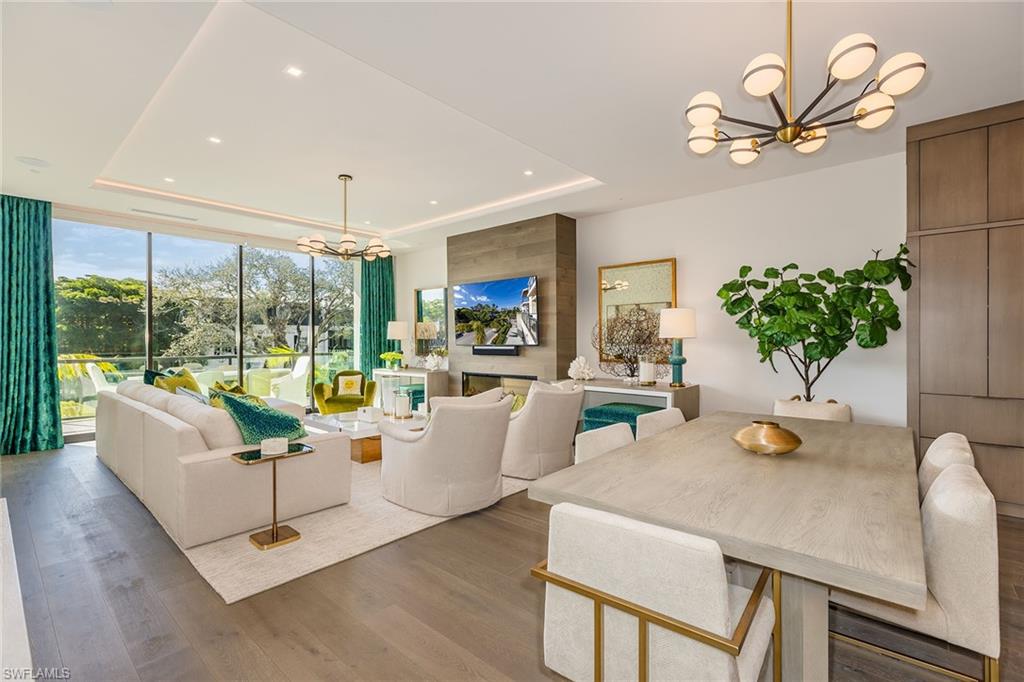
(100, 275)
(195, 308)
(276, 294)
(200, 290)
(336, 317)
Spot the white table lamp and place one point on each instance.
(677, 324)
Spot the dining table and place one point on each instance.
(839, 512)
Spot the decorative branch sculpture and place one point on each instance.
(626, 339)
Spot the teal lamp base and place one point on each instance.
(677, 361)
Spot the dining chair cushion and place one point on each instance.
(596, 442)
(668, 571)
(653, 423)
(833, 412)
(947, 449)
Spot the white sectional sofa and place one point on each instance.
(175, 454)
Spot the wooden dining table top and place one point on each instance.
(841, 510)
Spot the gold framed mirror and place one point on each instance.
(647, 284)
(431, 316)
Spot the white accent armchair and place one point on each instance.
(99, 379)
(451, 467)
(293, 386)
(604, 571)
(961, 558)
(945, 451)
(596, 442)
(539, 439)
(653, 423)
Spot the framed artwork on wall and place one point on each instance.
(650, 285)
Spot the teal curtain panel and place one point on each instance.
(29, 392)
(376, 309)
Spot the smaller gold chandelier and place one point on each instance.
(316, 245)
(806, 133)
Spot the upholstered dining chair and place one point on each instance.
(961, 559)
(829, 410)
(610, 578)
(331, 400)
(596, 442)
(653, 423)
(452, 466)
(946, 450)
(539, 439)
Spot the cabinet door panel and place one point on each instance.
(1006, 171)
(954, 317)
(954, 179)
(1006, 312)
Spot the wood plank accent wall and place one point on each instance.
(965, 313)
(545, 247)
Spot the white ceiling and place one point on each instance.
(445, 102)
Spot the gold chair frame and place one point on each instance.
(990, 665)
(645, 617)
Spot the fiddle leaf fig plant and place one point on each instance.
(811, 318)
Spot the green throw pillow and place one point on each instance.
(259, 422)
(182, 379)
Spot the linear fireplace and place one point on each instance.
(476, 382)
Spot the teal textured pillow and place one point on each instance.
(259, 422)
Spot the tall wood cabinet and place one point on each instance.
(965, 228)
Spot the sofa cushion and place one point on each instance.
(183, 379)
(217, 427)
(147, 395)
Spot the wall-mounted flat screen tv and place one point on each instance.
(502, 312)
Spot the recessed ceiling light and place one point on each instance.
(366, 222)
(214, 140)
(527, 172)
(32, 162)
(433, 202)
(168, 179)
(293, 71)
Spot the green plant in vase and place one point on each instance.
(810, 319)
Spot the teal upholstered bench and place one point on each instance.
(416, 394)
(614, 413)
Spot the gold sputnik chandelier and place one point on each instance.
(807, 132)
(345, 249)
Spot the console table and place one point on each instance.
(435, 382)
(604, 391)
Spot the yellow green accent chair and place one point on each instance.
(329, 402)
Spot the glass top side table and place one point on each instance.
(276, 535)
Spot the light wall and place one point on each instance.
(418, 269)
(830, 217)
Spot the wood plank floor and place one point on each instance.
(110, 597)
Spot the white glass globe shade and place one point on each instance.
(743, 152)
(901, 74)
(384, 252)
(317, 241)
(374, 245)
(704, 109)
(702, 139)
(874, 110)
(852, 56)
(303, 244)
(812, 140)
(347, 243)
(763, 74)
(369, 256)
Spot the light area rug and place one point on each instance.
(236, 569)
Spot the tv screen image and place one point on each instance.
(502, 312)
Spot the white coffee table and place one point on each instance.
(365, 435)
